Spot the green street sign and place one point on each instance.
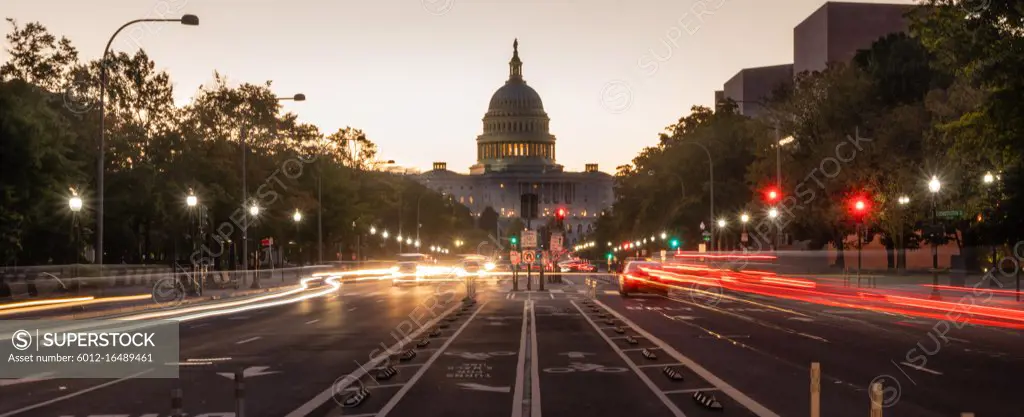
(950, 214)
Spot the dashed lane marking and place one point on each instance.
(244, 341)
(312, 321)
(690, 391)
(921, 368)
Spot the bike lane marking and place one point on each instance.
(692, 368)
(582, 374)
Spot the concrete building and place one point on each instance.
(833, 33)
(516, 156)
(837, 30)
(752, 86)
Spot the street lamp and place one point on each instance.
(773, 213)
(297, 216)
(254, 211)
(934, 186)
(384, 234)
(988, 178)
(901, 255)
(744, 218)
(663, 236)
(188, 20)
(75, 203)
(373, 230)
(191, 200)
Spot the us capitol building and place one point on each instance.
(516, 156)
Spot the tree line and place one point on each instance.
(944, 99)
(158, 153)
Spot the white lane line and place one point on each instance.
(517, 396)
(242, 342)
(535, 364)
(312, 321)
(690, 391)
(658, 365)
(352, 309)
(729, 390)
(557, 291)
(552, 295)
(636, 349)
(198, 325)
(378, 386)
(328, 393)
(426, 365)
(650, 384)
(73, 394)
(921, 368)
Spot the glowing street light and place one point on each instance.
(721, 223)
(254, 210)
(934, 185)
(773, 213)
(297, 216)
(744, 218)
(903, 200)
(75, 203)
(191, 200)
(664, 235)
(988, 178)
(373, 230)
(384, 234)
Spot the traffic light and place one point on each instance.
(608, 256)
(859, 207)
(560, 214)
(674, 243)
(514, 240)
(772, 195)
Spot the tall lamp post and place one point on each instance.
(934, 185)
(297, 218)
(188, 20)
(254, 211)
(245, 187)
(744, 218)
(901, 250)
(988, 179)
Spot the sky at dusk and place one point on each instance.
(417, 75)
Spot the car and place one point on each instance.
(408, 268)
(471, 266)
(635, 278)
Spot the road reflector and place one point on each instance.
(648, 354)
(422, 342)
(620, 330)
(407, 355)
(435, 333)
(706, 400)
(356, 398)
(672, 373)
(610, 322)
(443, 325)
(386, 373)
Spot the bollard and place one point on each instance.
(815, 389)
(876, 399)
(176, 403)
(239, 393)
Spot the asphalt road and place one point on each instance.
(554, 353)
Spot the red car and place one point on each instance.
(634, 279)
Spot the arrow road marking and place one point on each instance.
(248, 372)
(42, 376)
(481, 387)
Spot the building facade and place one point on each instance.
(833, 33)
(516, 155)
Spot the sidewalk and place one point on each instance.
(147, 303)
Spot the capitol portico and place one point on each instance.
(516, 156)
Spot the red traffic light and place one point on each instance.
(560, 213)
(859, 207)
(772, 195)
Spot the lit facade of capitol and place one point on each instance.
(516, 156)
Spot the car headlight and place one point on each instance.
(489, 266)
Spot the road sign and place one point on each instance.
(556, 243)
(513, 257)
(664, 254)
(702, 248)
(744, 238)
(529, 257)
(950, 214)
(702, 226)
(529, 239)
(267, 241)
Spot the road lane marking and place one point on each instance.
(517, 396)
(636, 349)
(921, 368)
(625, 358)
(73, 394)
(557, 291)
(328, 393)
(242, 342)
(690, 391)
(534, 364)
(312, 321)
(426, 365)
(729, 390)
(378, 386)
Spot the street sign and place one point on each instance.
(267, 241)
(529, 239)
(744, 237)
(949, 214)
(529, 257)
(513, 257)
(556, 243)
(702, 226)
(664, 254)
(702, 248)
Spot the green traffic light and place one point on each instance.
(608, 255)
(674, 243)
(514, 240)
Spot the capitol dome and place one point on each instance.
(515, 127)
